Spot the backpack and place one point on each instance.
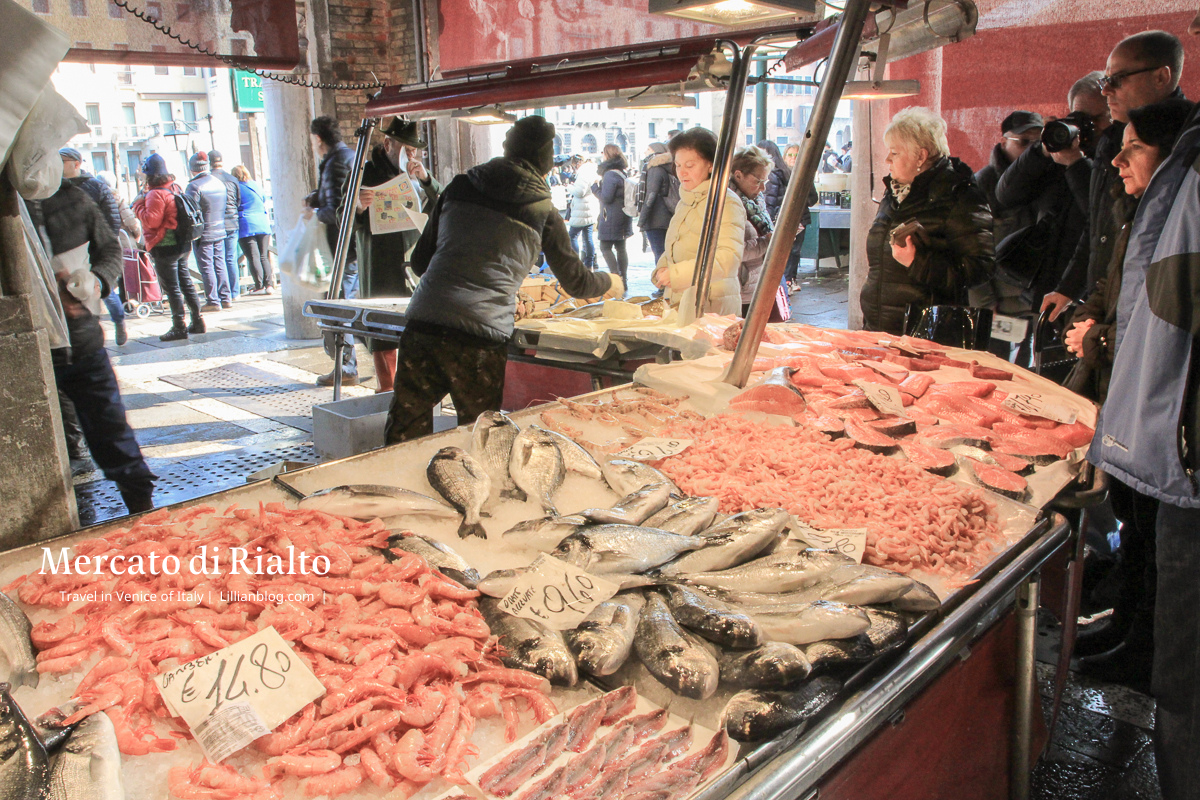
(641, 193)
(631, 203)
(189, 220)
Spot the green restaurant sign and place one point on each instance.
(247, 92)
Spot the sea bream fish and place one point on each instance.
(606, 549)
(457, 476)
(530, 646)
(749, 533)
(755, 715)
(18, 665)
(688, 517)
(680, 660)
(491, 443)
(712, 619)
(499, 582)
(24, 766)
(439, 556)
(773, 665)
(575, 458)
(811, 623)
(778, 572)
(537, 468)
(625, 475)
(634, 508)
(89, 766)
(369, 501)
(854, 584)
(544, 533)
(604, 639)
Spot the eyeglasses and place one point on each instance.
(1115, 80)
(1021, 140)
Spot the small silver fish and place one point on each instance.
(544, 533)
(687, 517)
(24, 766)
(439, 556)
(604, 639)
(370, 502)
(457, 476)
(575, 458)
(812, 622)
(499, 582)
(749, 533)
(18, 665)
(919, 598)
(491, 443)
(537, 468)
(590, 311)
(625, 475)
(633, 509)
(778, 572)
(680, 660)
(89, 766)
(530, 646)
(606, 549)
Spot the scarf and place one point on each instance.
(899, 190)
(756, 211)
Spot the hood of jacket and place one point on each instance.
(610, 164)
(509, 180)
(662, 160)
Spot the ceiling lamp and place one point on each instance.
(488, 115)
(666, 100)
(880, 90)
(733, 12)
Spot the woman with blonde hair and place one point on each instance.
(950, 248)
(749, 177)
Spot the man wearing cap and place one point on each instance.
(233, 199)
(210, 195)
(482, 238)
(383, 258)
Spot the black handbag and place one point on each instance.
(1021, 255)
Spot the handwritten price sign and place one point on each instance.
(1038, 405)
(886, 399)
(651, 449)
(557, 594)
(847, 541)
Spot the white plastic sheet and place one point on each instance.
(32, 50)
(34, 163)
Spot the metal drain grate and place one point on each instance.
(99, 501)
(257, 391)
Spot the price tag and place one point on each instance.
(1038, 405)
(886, 399)
(261, 672)
(847, 541)
(228, 730)
(1009, 329)
(651, 449)
(557, 594)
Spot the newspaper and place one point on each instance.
(396, 207)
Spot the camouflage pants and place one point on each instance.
(431, 365)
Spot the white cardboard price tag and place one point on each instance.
(557, 594)
(886, 399)
(228, 730)
(1009, 329)
(847, 541)
(262, 671)
(1038, 405)
(652, 449)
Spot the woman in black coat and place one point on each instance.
(952, 251)
(614, 225)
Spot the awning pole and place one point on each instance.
(726, 144)
(844, 55)
(349, 207)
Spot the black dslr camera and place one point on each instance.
(1058, 134)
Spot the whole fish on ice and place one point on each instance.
(544, 533)
(575, 458)
(755, 715)
(749, 533)
(687, 517)
(773, 665)
(606, 549)
(625, 475)
(604, 639)
(812, 622)
(89, 766)
(457, 476)
(24, 766)
(680, 660)
(712, 619)
(634, 508)
(491, 443)
(530, 646)
(778, 572)
(369, 501)
(537, 467)
(439, 556)
(17, 663)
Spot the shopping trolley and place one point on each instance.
(143, 295)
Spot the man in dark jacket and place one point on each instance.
(1142, 69)
(74, 227)
(233, 199)
(484, 235)
(210, 196)
(337, 162)
(383, 258)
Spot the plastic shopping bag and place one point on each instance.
(34, 163)
(305, 254)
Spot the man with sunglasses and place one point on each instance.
(1142, 69)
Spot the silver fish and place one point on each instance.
(607, 549)
(887, 632)
(590, 311)
(750, 533)
(833, 653)
(712, 619)
(778, 572)
(812, 622)
(530, 646)
(439, 556)
(604, 639)
(919, 598)
(575, 458)
(862, 584)
(499, 582)
(626, 475)
(16, 649)
(371, 502)
(457, 476)
(756, 715)
(491, 443)
(544, 533)
(49, 725)
(633, 509)
(89, 766)
(677, 658)
(688, 517)
(24, 766)
(537, 468)
(774, 665)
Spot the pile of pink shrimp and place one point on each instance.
(406, 659)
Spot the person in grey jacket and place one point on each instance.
(211, 196)
(233, 199)
(662, 195)
(613, 227)
(484, 235)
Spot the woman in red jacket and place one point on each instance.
(156, 209)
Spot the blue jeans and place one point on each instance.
(1176, 680)
(588, 253)
(658, 242)
(231, 264)
(349, 292)
(210, 259)
(116, 309)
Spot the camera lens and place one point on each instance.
(1058, 135)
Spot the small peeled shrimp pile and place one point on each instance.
(407, 661)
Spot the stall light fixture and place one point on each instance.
(671, 100)
(733, 12)
(489, 115)
(880, 90)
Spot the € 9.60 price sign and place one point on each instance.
(557, 594)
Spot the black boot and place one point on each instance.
(1103, 635)
(178, 331)
(1130, 662)
(197, 326)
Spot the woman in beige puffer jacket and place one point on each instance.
(694, 151)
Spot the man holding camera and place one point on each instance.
(1142, 69)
